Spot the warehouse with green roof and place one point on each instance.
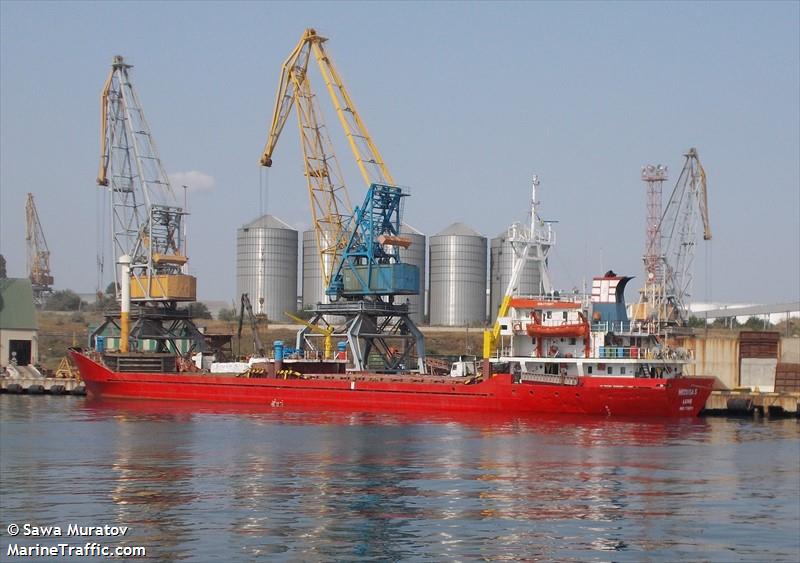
(18, 336)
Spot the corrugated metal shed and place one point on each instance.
(17, 311)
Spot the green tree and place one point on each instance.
(755, 323)
(695, 322)
(227, 315)
(64, 300)
(725, 322)
(106, 300)
(199, 310)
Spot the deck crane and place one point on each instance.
(247, 307)
(358, 249)
(665, 296)
(38, 254)
(146, 221)
(530, 243)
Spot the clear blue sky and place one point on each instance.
(465, 101)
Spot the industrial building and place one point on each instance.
(18, 330)
(457, 292)
(266, 266)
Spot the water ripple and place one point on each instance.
(234, 483)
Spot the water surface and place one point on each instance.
(230, 483)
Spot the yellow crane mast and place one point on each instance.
(330, 202)
(38, 253)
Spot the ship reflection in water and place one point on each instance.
(224, 482)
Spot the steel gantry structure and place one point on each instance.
(38, 254)
(358, 248)
(687, 203)
(148, 240)
(671, 241)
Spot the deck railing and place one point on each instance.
(634, 352)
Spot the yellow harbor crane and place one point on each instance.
(38, 253)
(358, 248)
(330, 202)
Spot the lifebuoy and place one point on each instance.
(516, 327)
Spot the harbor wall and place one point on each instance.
(789, 350)
(716, 355)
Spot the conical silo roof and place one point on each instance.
(268, 222)
(458, 229)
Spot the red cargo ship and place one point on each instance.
(501, 392)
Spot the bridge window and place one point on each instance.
(610, 370)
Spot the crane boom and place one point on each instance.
(330, 203)
(667, 288)
(246, 307)
(38, 252)
(328, 197)
(370, 162)
(358, 249)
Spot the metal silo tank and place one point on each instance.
(266, 266)
(415, 254)
(313, 290)
(457, 295)
(500, 266)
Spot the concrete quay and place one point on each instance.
(42, 385)
(752, 403)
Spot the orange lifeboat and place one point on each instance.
(578, 329)
(581, 329)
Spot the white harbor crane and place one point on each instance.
(146, 219)
(671, 243)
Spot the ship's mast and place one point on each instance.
(528, 244)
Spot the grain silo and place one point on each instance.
(457, 294)
(500, 266)
(266, 266)
(415, 254)
(313, 290)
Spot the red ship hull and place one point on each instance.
(628, 397)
